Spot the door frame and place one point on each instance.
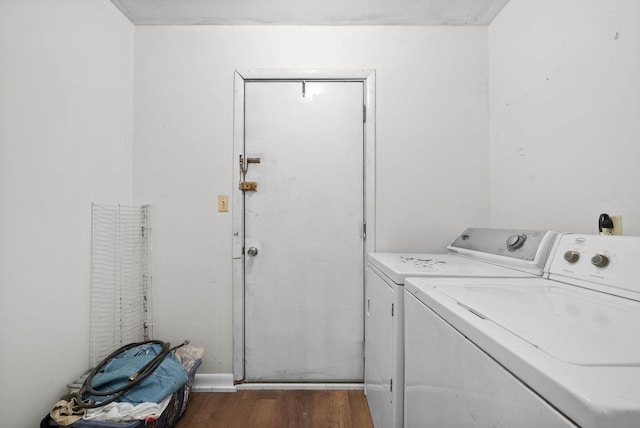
(368, 78)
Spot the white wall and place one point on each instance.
(565, 109)
(432, 148)
(66, 96)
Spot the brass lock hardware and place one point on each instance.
(249, 186)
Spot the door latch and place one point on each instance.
(244, 163)
(247, 186)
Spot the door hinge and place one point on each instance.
(364, 113)
(364, 230)
(392, 309)
(391, 385)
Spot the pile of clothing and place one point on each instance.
(120, 390)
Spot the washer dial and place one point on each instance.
(571, 256)
(600, 260)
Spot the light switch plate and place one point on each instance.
(223, 203)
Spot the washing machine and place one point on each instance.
(476, 252)
(558, 351)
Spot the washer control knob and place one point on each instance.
(600, 260)
(515, 241)
(571, 256)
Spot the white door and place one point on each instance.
(304, 251)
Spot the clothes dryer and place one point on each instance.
(559, 351)
(476, 252)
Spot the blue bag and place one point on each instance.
(164, 381)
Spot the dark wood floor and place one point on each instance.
(277, 409)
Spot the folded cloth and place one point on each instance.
(124, 412)
(64, 413)
(164, 381)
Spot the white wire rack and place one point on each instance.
(121, 305)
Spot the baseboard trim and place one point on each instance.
(214, 382)
(302, 386)
(223, 382)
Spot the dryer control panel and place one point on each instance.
(512, 243)
(521, 249)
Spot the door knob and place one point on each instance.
(252, 251)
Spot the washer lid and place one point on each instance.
(571, 324)
(576, 348)
(399, 266)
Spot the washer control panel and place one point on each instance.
(601, 262)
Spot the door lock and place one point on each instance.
(252, 251)
(247, 186)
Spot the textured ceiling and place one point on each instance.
(307, 12)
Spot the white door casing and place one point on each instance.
(312, 302)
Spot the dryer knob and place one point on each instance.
(515, 241)
(571, 256)
(600, 260)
